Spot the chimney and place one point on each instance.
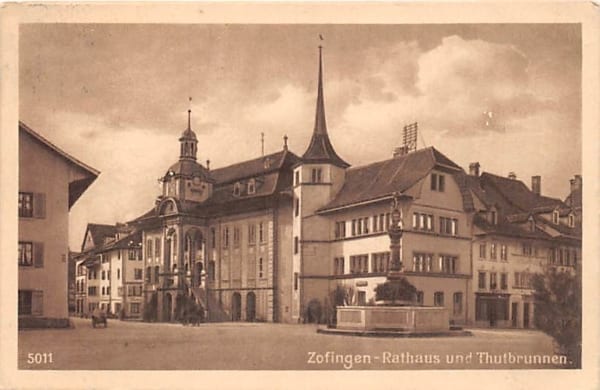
(474, 169)
(576, 183)
(512, 176)
(400, 151)
(536, 185)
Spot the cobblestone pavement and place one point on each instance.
(248, 346)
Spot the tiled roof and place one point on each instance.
(124, 243)
(516, 193)
(381, 179)
(251, 168)
(507, 229)
(100, 232)
(574, 199)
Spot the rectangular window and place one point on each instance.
(296, 249)
(25, 204)
(25, 254)
(295, 281)
(517, 281)
(382, 225)
(458, 305)
(527, 249)
(297, 207)
(156, 271)
(148, 274)
(503, 252)
(438, 298)
(482, 250)
(340, 229)
(213, 238)
(25, 302)
(493, 281)
(93, 290)
(375, 224)
(148, 248)
(157, 247)
(236, 237)
(420, 298)
(493, 251)
(338, 266)
(448, 264)
(422, 262)
(481, 280)
(260, 268)
(134, 308)
(366, 225)
(359, 264)
(438, 182)
(353, 227)
(103, 275)
(137, 273)
(226, 237)
(503, 281)
(422, 221)
(261, 232)
(132, 254)
(297, 177)
(316, 175)
(251, 234)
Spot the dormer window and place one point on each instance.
(251, 186)
(555, 216)
(493, 217)
(531, 225)
(237, 189)
(571, 220)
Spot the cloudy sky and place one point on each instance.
(116, 97)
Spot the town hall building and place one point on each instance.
(263, 239)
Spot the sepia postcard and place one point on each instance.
(313, 195)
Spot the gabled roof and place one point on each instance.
(320, 149)
(100, 232)
(76, 187)
(134, 238)
(383, 178)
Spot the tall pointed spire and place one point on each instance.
(320, 123)
(320, 149)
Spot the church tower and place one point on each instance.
(317, 179)
(188, 180)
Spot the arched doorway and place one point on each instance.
(167, 305)
(250, 307)
(236, 307)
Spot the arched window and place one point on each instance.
(251, 186)
(237, 189)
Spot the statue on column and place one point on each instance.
(395, 231)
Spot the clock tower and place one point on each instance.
(188, 180)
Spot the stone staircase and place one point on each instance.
(215, 312)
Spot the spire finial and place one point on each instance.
(208, 165)
(285, 145)
(190, 113)
(262, 144)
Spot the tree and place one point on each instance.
(396, 290)
(558, 311)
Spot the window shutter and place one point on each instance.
(39, 205)
(37, 303)
(38, 254)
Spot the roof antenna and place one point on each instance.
(262, 144)
(285, 145)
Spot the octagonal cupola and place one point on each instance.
(188, 142)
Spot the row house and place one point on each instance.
(110, 272)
